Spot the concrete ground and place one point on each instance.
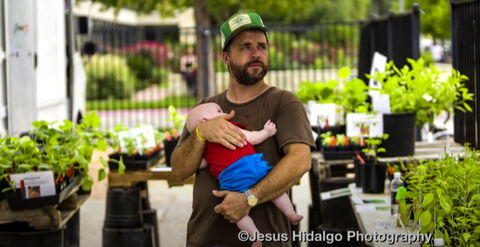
(173, 207)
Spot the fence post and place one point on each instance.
(390, 35)
(416, 31)
(457, 126)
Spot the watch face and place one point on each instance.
(252, 201)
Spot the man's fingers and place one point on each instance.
(221, 193)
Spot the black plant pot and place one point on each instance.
(401, 130)
(139, 237)
(20, 234)
(169, 146)
(3, 185)
(344, 148)
(150, 217)
(373, 177)
(329, 149)
(123, 209)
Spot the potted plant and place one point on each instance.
(371, 173)
(446, 198)
(131, 149)
(416, 96)
(323, 93)
(64, 151)
(171, 137)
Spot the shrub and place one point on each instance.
(108, 77)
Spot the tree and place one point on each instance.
(434, 17)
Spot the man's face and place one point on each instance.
(248, 59)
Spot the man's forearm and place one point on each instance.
(285, 174)
(186, 158)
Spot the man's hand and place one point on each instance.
(234, 206)
(219, 130)
(270, 128)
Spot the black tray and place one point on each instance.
(338, 155)
(16, 202)
(138, 164)
(3, 185)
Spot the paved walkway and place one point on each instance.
(173, 207)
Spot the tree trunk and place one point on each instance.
(205, 72)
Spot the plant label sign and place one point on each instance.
(381, 103)
(36, 184)
(335, 193)
(144, 135)
(378, 65)
(322, 114)
(365, 125)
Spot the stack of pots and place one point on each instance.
(129, 220)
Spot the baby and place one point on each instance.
(240, 169)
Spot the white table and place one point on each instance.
(366, 221)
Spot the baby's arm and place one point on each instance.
(203, 164)
(257, 137)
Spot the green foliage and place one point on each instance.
(175, 118)
(451, 198)
(322, 93)
(62, 150)
(372, 148)
(435, 17)
(423, 91)
(354, 94)
(108, 77)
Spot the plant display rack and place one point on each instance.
(47, 217)
(159, 171)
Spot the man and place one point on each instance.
(252, 102)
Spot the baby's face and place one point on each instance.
(212, 110)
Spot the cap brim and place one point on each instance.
(234, 33)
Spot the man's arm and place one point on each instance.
(281, 178)
(186, 157)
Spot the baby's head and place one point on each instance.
(202, 113)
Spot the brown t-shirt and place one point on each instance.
(207, 228)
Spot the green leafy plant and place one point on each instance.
(423, 91)
(372, 148)
(446, 196)
(177, 121)
(328, 139)
(63, 150)
(322, 93)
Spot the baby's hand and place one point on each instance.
(270, 128)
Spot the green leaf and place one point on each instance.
(87, 183)
(45, 167)
(427, 199)
(467, 106)
(101, 174)
(344, 72)
(68, 125)
(104, 163)
(101, 145)
(121, 166)
(466, 236)
(477, 229)
(425, 218)
(445, 205)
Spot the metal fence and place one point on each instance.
(466, 58)
(137, 72)
(396, 36)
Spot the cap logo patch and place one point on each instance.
(238, 21)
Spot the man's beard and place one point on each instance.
(243, 76)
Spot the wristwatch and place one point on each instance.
(251, 199)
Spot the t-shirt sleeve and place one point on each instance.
(292, 122)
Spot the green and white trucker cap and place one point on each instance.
(239, 22)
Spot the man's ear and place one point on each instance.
(226, 58)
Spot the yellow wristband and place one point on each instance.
(196, 130)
